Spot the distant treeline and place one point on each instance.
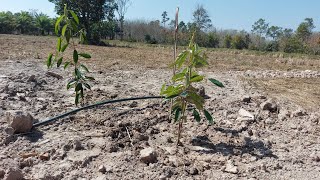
(262, 37)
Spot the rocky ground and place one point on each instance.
(257, 134)
(254, 137)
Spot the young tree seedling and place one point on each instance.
(183, 93)
(67, 27)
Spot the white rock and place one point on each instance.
(230, 168)
(246, 114)
(148, 155)
(299, 112)
(20, 121)
(269, 121)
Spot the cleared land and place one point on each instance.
(281, 144)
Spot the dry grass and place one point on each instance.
(303, 91)
(24, 47)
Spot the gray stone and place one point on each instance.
(102, 169)
(246, 99)
(14, 174)
(32, 78)
(77, 145)
(9, 130)
(2, 173)
(20, 121)
(299, 112)
(193, 171)
(148, 155)
(269, 105)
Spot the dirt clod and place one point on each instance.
(20, 121)
(148, 155)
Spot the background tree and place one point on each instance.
(260, 27)
(274, 32)
(25, 22)
(88, 11)
(182, 27)
(122, 9)
(227, 41)
(7, 22)
(164, 18)
(201, 18)
(304, 30)
(43, 23)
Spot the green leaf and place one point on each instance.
(71, 83)
(59, 62)
(49, 61)
(163, 88)
(87, 56)
(75, 56)
(178, 77)
(84, 67)
(89, 78)
(196, 115)
(177, 115)
(78, 73)
(181, 59)
(75, 17)
(68, 35)
(78, 87)
(208, 116)
(57, 25)
(196, 78)
(87, 85)
(216, 82)
(59, 44)
(66, 64)
(195, 99)
(63, 32)
(64, 47)
(77, 99)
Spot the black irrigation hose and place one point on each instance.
(93, 106)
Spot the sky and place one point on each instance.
(225, 14)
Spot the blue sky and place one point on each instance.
(225, 14)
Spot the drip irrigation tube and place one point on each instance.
(93, 106)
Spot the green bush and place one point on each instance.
(293, 45)
(212, 40)
(239, 42)
(227, 41)
(149, 39)
(272, 46)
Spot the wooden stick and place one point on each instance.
(175, 40)
(175, 51)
